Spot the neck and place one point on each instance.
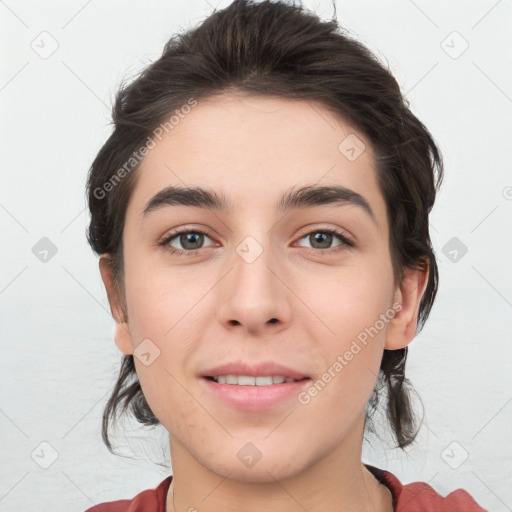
(337, 481)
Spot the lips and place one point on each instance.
(248, 388)
(263, 369)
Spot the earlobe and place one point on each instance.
(403, 326)
(122, 334)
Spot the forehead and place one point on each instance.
(252, 149)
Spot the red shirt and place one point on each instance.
(415, 497)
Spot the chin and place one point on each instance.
(262, 472)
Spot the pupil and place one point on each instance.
(184, 240)
(322, 238)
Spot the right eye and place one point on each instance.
(190, 240)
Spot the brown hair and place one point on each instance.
(277, 49)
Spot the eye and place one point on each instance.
(190, 241)
(321, 239)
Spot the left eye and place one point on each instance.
(322, 239)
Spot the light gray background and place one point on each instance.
(58, 359)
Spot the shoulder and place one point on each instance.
(421, 497)
(150, 500)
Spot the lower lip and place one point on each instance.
(255, 398)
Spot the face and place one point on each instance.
(305, 285)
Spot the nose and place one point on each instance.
(254, 295)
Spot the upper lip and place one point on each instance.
(266, 368)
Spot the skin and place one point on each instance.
(214, 307)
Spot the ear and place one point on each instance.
(403, 326)
(122, 334)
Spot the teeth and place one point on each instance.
(246, 380)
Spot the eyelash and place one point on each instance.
(346, 242)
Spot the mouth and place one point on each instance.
(242, 373)
(249, 380)
(253, 387)
(248, 393)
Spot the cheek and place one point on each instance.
(350, 298)
(168, 399)
(157, 303)
(162, 320)
(356, 306)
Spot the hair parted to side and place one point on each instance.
(273, 48)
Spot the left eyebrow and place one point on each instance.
(304, 197)
(335, 195)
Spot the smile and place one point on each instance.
(247, 380)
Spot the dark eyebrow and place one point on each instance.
(303, 197)
(188, 196)
(309, 196)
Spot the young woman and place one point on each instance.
(261, 215)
